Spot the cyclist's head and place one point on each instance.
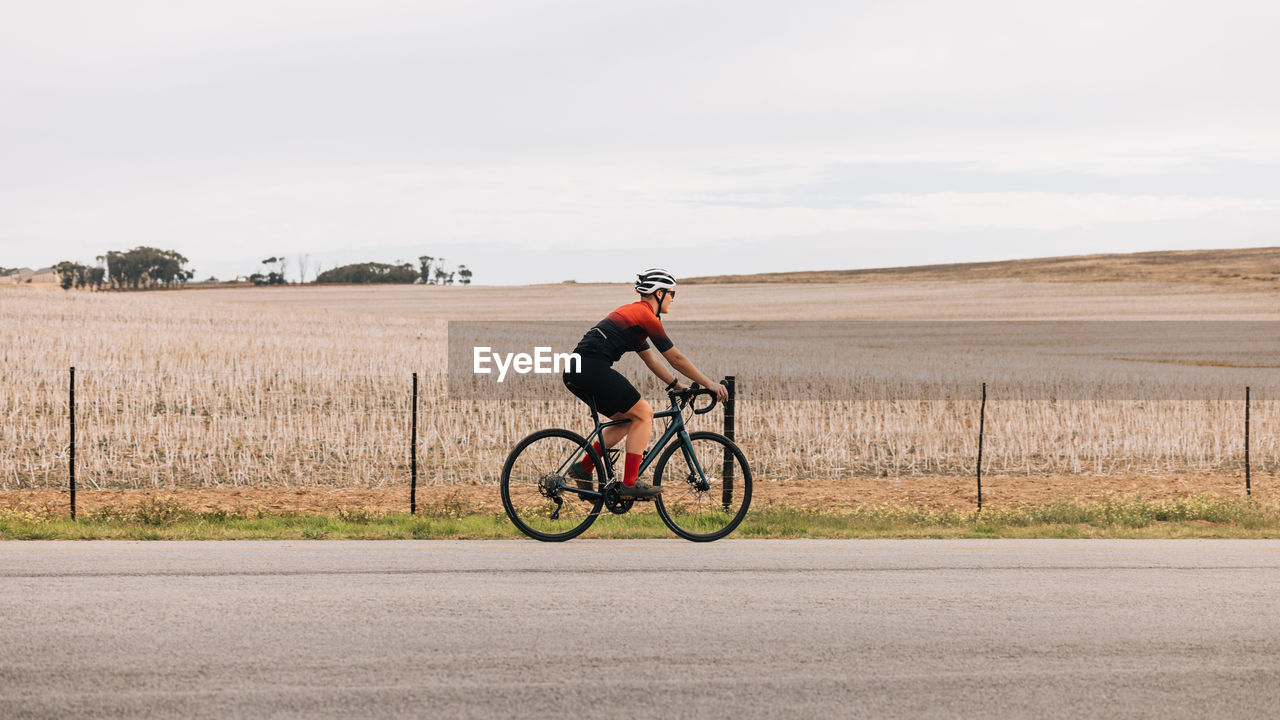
(658, 283)
(653, 280)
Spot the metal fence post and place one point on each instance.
(726, 490)
(982, 422)
(72, 463)
(413, 452)
(1248, 487)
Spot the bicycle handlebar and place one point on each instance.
(689, 396)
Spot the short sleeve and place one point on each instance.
(658, 334)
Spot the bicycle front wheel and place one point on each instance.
(706, 489)
(537, 493)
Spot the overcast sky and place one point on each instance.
(543, 141)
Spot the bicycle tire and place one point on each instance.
(684, 511)
(522, 505)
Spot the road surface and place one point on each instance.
(641, 629)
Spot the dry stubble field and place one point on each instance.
(298, 398)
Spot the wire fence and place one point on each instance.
(318, 430)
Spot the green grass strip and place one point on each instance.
(161, 519)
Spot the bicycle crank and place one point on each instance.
(615, 502)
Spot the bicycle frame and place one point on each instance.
(675, 428)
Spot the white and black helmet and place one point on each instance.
(653, 280)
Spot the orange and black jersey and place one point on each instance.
(623, 330)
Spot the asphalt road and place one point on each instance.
(663, 629)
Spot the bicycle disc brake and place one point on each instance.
(699, 486)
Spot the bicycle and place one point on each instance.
(695, 504)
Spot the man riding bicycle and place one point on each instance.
(629, 328)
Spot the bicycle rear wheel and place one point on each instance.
(539, 497)
(706, 493)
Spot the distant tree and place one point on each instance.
(68, 272)
(370, 272)
(73, 274)
(432, 271)
(146, 267)
(274, 274)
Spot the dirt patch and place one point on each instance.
(926, 492)
(961, 493)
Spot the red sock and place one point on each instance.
(633, 470)
(586, 459)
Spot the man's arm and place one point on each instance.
(683, 366)
(650, 358)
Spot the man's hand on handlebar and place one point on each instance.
(720, 391)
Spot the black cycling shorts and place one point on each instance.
(612, 392)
